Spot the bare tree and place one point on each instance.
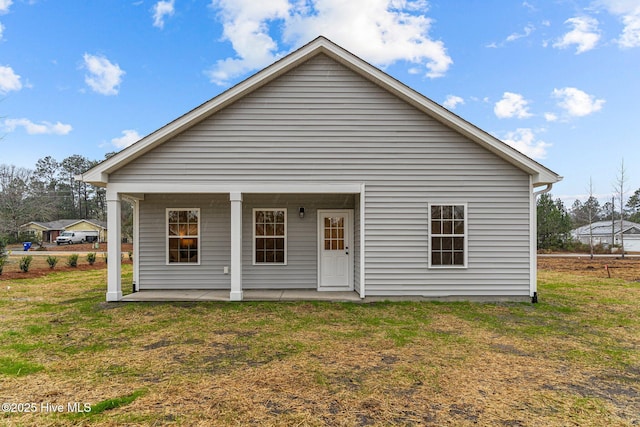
(15, 199)
(591, 214)
(620, 189)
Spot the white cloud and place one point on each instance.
(550, 117)
(104, 77)
(629, 13)
(161, 10)
(585, 34)
(524, 140)
(380, 31)
(512, 105)
(452, 102)
(576, 102)
(631, 33)
(43, 128)
(128, 137)
(526, 33)
(9, 80)
(4, 6)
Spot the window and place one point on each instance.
(448, 236)
(270, 236)
(183, 236)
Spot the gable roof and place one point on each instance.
(99, 175)
(61, 224)
(604, 228)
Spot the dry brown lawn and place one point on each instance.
(570, 360)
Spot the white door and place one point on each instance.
(335, 251)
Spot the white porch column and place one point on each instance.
(114, 227)
(236, 246)
(136, 244)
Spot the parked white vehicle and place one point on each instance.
(71, 237)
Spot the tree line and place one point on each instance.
(49, 192)
(555, 220)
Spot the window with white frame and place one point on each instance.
(448, 235)
(183, 236)
(270, 236)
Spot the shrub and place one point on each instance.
(72, 261)
(25, 263)
(91, 258)
(3, 259)
(52, 261)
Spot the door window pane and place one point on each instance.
(334, 238)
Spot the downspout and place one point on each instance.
(534, 241)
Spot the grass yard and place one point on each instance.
(571, 360)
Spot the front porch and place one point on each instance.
(248, 295)
(278, 242)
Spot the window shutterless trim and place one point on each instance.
(265, 237)
(168, 237)
(465, 237)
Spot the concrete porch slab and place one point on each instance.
(248, 295)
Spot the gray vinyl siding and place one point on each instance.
(302, 239)
(215, 243)
(321, 122)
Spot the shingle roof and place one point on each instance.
(603, 228)
(61, 224)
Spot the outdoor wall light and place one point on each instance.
(301, 213)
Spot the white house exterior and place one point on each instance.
(322, 172)
(609, 232)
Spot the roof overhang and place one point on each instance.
(99, 175)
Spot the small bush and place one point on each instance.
(91, 258)
(25, 263)
(72, 261)
(2, 261)
(52, 261)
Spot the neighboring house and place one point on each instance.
(608, 233)
(322, 172)
(47, 232)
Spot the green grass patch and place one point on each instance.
(18, 368)
(117, 402)
(98, 410)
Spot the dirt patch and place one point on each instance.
(12, 271)
(616, 268)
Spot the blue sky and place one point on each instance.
(557, 79)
